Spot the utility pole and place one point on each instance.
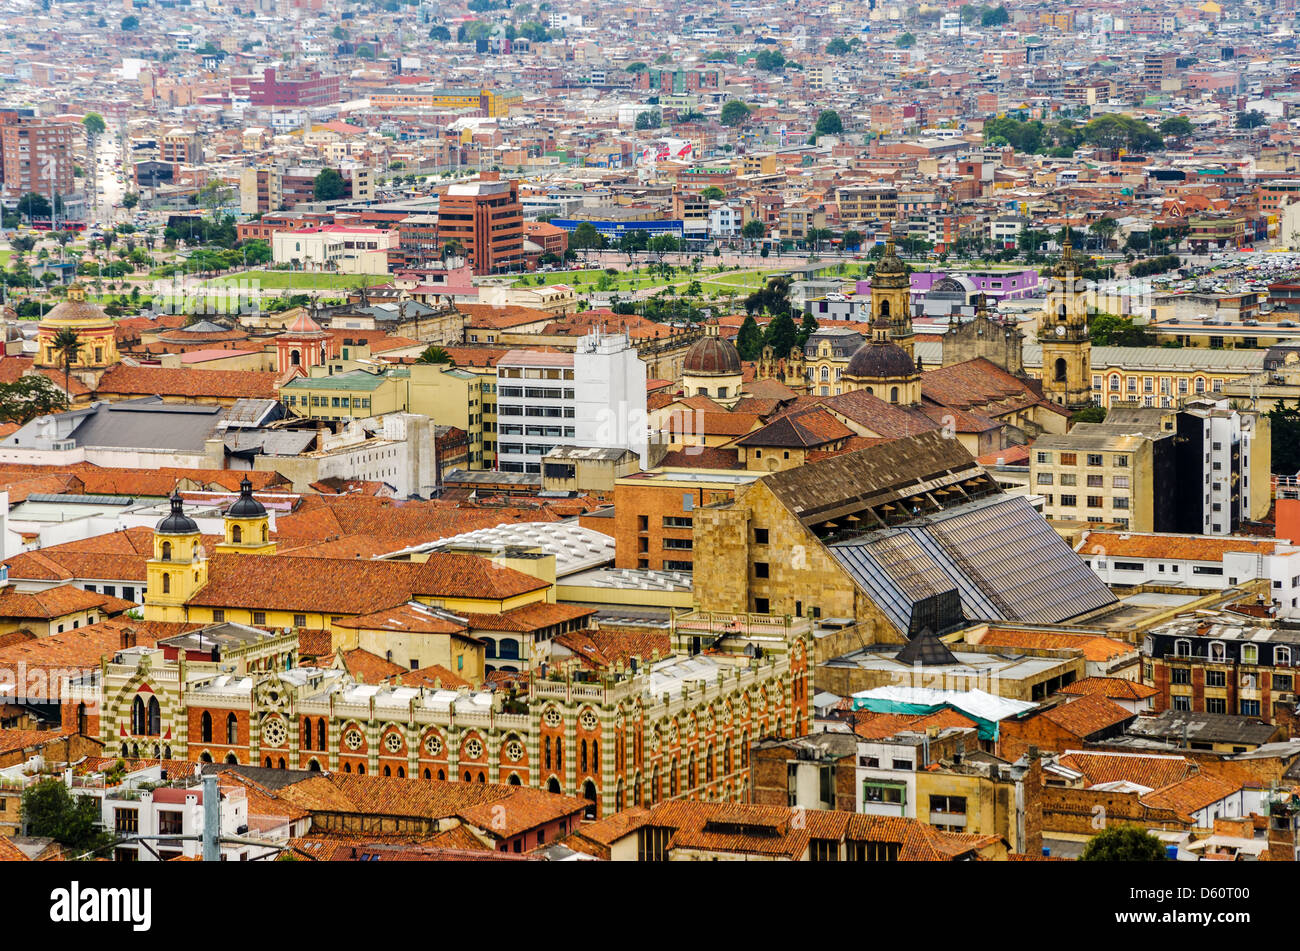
(211, 819)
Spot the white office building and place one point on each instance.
(594, 397)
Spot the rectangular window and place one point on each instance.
(300, 620)
(126, 820)
(170, 822)
(1094, 459)
(1069, 501)
(218, 615)
(1181, 703)
(1069, 478)
(259, 617)
(1216, 705)
(893, 794)
(1096, 482)
(1044, 478)
(760, 536)
(1250, 708)
(760, 569)
(1180, 675)
(1069, 459)
(1215, 678)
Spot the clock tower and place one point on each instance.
(1063, 333)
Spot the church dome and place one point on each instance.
(878, 360)
(177, 522)
(77, 310)
(712, 356)
(246, 506)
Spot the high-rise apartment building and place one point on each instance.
(35, 155)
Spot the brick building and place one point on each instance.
(35, 155)
(486, 217)
(302, 90)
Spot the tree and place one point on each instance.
(1251, 120)
(452, 248)
(94, 124)
(650, 119)
(130, 23)
(28, 397)
(837, 47)
(781, 334)
(1125, 843)
(994, 16)
(754, 230)
(440, 34)
(713, 193)
(1104, 228)
(637, 67)
(585, 237)
(328, 185)
(829, 123)
(734, 112)
(769, 60)
(130, 200)
(1090, 414)
(632, 242)
(852, 240)
(1285, 424)
(807, 327)
(34, 205)
(749, 341)
(435, 354)
(1177, 127)
(67, 345)
(906, 41)
(50, 811)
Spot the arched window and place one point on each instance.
(264, 535)
(826, 373)
(884, 309)
(618, 796)
(347, 767)
(313, 765)
(320, 734)
(361, 769)
(203, 758)
(387, 771)
(893, 394)
(441, 775)
(672, 779)
(427, 774)
(1218, 651)
(589, 793)
(155, 717)
(81, 718)
(508, 648)
(167, 752)
(401, 772)
(595, 755)
(1282, 656)
(514, 780)
(656, 789)
(137, 717)
(482, 777)
(236, 534)
(582, 757)
(206, 727)
(295, 358)
(722, 391)
(167, 583)
(546, 752)
(1182, 648)
(553, 785)
(267, 762)
(232, 730)
(1062, 313)
(306, 734)
(690, 771)
(232, 759)
(166, 551)
(1060, 370)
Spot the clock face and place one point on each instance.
(1060, 331)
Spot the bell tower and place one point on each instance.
(247, 526)
(1063, 333)
(178, 568)
(891, 298)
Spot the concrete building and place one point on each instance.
(593, 397)
(485, 217)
